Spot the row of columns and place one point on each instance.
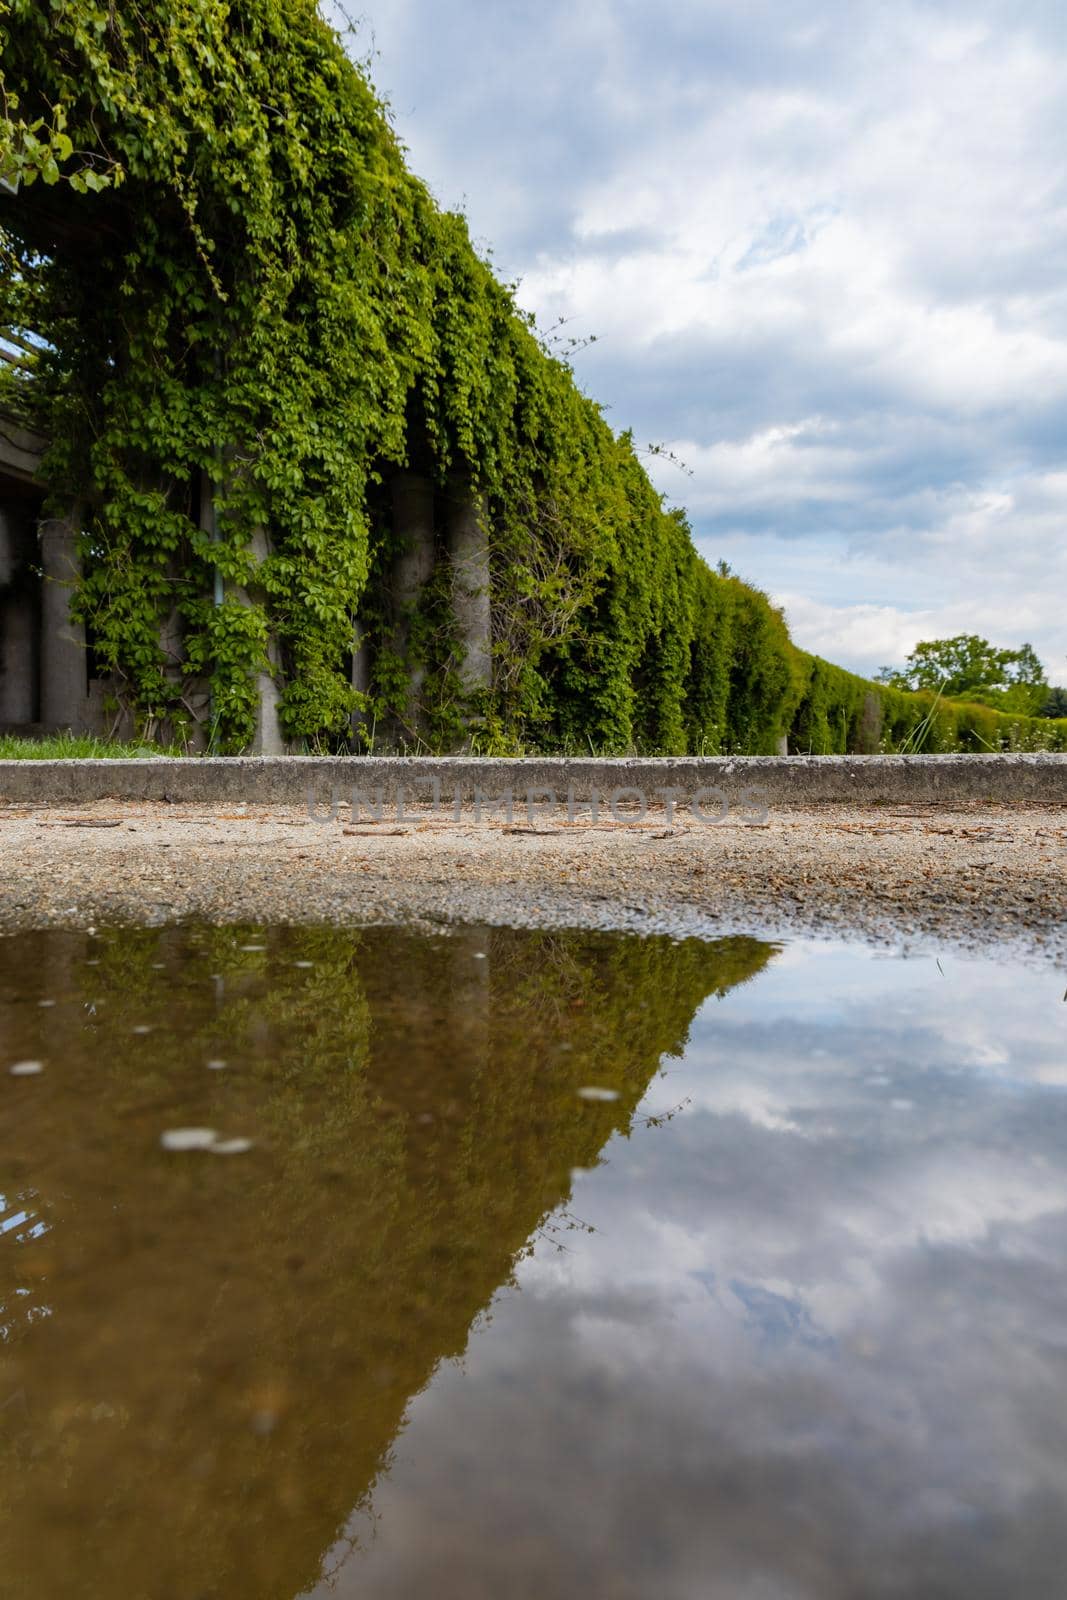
(416, 510)
(44, 675)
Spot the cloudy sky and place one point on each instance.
(822, 247)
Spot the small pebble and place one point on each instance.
(215, 1066)
(26, 1069)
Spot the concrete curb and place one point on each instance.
(784, 780)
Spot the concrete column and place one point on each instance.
(468, 549)
(209, 523)
(413, 531)
(360, 670)
(869, 732)
(191, 710)
(18, 658)
(19, 686)
(10, 543)
(267, 740)
(64, 666)
(172, 633)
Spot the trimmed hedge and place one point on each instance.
(838, 713)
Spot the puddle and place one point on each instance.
(539, 1265)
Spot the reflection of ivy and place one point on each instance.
(248, 283)
(415, 1119)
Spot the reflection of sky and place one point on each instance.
(817, 1345)
(21, 1224)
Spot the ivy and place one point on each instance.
(245, 286)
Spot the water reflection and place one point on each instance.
(817, 1346)
(204, 1362)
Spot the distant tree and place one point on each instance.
(1056, 704)
(969, 667)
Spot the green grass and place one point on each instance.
(73, 746)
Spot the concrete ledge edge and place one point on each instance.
(784, 780)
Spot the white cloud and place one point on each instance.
(867, 635)
(826, 261)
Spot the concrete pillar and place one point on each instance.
(413, 532)
(19, 622)
(267, 740)
(209, 524)
(172, 635)
(64, 665)
(189, 714)
(468, 549)
(360, 671)
(18, 658)
(10, 542)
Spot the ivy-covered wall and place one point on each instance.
(833, 712)
(245, 301)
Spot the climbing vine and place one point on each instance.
(246, 315)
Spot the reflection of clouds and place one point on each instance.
(816, 1347)
(778, 1318)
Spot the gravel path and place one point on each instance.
(966, 876)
